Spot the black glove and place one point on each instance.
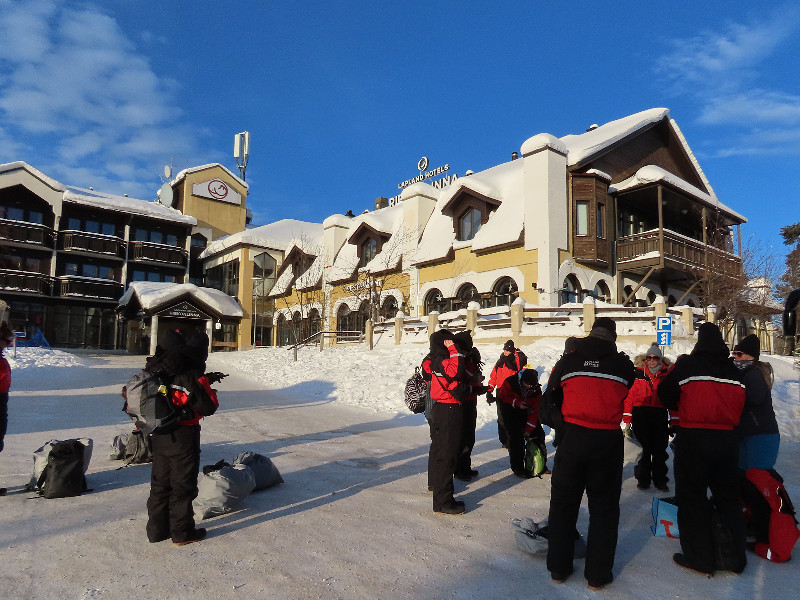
(489, 397)
(216, 376)
(480, 390)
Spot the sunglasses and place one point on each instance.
(651, 358)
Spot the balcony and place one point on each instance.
(69, 286)
(157, 253)
(640, 252)
(25, 234)
(25, 282)
(93, 243)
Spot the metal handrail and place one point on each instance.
(319, 338)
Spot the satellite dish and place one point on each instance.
(167, 171)
(165, 195)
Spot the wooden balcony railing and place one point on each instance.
(26, 282)
(679, 250)
(93, 242)
(148, 251)
(28, 233)
(87, 287)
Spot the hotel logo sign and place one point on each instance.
(424, 174)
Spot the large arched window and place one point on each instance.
(388, 309)
(469, 223)
(466, 294)
(651, 298)
(504, 292)
(313, 322)
(434, 301)
(571, 290)
(283, 333)
(344, 318)
(601, 291)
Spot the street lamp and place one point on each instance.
(254, 309)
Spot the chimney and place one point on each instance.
(381, 202)
(514, 156)
(592, 127)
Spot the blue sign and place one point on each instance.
(664, 338)
(663, 323)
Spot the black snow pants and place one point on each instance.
(173, 484)
(651, 427)
(590, 460)
(445, 446)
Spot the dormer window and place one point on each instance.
(369, 249)
(469, 223)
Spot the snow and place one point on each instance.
(279, 235)
(352, 520)
(152, 294)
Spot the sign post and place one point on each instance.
(664, 331)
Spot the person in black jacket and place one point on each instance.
(176, 455)
(706, 390)
(759, 438)
(592, 380)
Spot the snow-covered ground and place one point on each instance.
(352, 520)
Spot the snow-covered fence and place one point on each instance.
(525, 322)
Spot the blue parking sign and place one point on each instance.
(663, 323)
(664, 338)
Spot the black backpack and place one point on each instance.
(148, 404)
(63, 475)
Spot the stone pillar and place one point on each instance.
(660, 307)
(153, 334)
(711, 312)
(433, 321)
(589, 314)
(687, 317)
(398, 327)
(368, 332)
(472, 315)
(517, 317)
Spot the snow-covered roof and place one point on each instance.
(182, 174)
(502, 183)
(387, 221)
(89, 197)
(279, 235)
(153, 210)
(652, 174)
(152, 294)
(585, 145)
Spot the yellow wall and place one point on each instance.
(223, 218)
(466, 261)
(391, 281)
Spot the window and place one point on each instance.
(15, 213)
(368, 251)
(198, 241)
(224, 277)
(91, 225)
(601, 291)
(35, 217)
(601, 220)
(571, 290)
(468, 224)
(389, 309)
(505, 292)
(582, 218)
(74, 224)
(108, 229)
(435, 302)
(141, 234)
(467, 294)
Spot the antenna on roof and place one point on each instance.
(241, 150)
(168, 170)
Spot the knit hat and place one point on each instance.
(654, 350)
(509, 345)
(529, 377)
(709, 341)
(749, 345)
(607, 324)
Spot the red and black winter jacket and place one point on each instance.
(445, 383)
(644, 390)
(5, 375)
(706, 390)
(192, 389)
(505, 367)
(594, 379)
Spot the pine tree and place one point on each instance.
(790, 280)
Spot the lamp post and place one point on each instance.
(254, 309)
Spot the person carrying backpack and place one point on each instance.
(6, 337)
(176, 455)
(510, 363)
(473, 375)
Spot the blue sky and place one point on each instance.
(343, 98)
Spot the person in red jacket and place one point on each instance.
(591, 382)
(705, 388)
(649, 420)
(6, 337)
(518, 401)
(510, 363)
(449, 385)
(176, 455)
(473, 375)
